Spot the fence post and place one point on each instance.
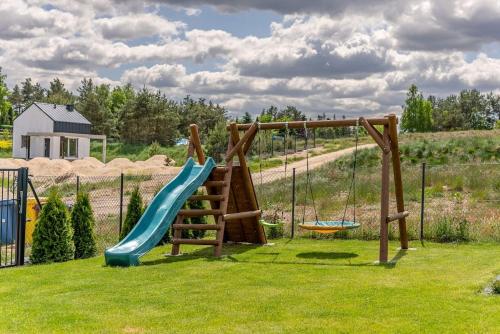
(77, 185)
(272, 145)
(121, 205)
(295, 144)
(422, 203)
(314, 138)
(293, 203)
(22, 196)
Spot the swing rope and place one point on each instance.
(308, 182)
(352, 186)
(331, 226)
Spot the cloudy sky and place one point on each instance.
(335, 56)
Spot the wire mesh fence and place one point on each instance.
(461, 201)
(109, 197)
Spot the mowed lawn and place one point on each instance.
(306, 286)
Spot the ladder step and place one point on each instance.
(242, 215)
(194, 242)
(195, 227)
(222, 169)
(215, 183)
(206, 198)
(198, 212)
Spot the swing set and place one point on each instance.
(387, 140)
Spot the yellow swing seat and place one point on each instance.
(329, 226)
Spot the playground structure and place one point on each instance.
(232, 198)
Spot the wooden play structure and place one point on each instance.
(232, 197)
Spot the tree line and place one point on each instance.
(469, 110)
(123, 113)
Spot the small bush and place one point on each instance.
(134, 212)
(154, 149)
(52, 238)
(451, 229)
(276, 231)
(496, 286)
(197, 234)
(82, 220)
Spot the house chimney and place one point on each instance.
(70, 107)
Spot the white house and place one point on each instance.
(52, 131)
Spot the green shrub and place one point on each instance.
(496, 286)
(52, 236)
(277, 230)
(134, 212)
(197, 234)
(82, 220)
(154, 149)
(451, 229)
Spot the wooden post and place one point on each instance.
(104, 150)
(177, 235)
(384, 202)
(398, 182)
(195, 139)
(235, 137)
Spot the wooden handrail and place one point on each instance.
(195, 140)
(397, 216)
(242, 215)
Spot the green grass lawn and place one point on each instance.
(306, 286)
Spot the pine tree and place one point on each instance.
(52, 236)
(82, 220)
(134, 212)
(198, 234)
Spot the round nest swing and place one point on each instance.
(331, 226)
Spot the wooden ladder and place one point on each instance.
(218, 196)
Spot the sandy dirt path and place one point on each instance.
(276, 173)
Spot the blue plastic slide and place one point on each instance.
(159, 215)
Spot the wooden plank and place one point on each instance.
(374, 134)
(242, 215)
(398, 181)
(384, 204)
(313, 124)
(194, 242)
(177, 235)
(206, 198)
(397, 216)
(239, 143)
(247, 179)
(199, 212)
(195, 226)
(195, 138)
(214, 183)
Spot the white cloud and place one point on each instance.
(342, 58)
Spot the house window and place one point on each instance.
(68, 147)
(25, 141)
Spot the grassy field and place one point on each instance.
(462, 189)
(295, 286)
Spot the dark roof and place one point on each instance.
(59, 113)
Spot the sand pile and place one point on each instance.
(158, 164)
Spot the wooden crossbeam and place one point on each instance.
(242, 215)
(397, 216)
(374, 134)
(237, 145)
(313, 124)
(196, 226)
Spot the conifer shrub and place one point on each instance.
(134, 212)
(82, 220)
(52, 238)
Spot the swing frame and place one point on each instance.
(387, 141)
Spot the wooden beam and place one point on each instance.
(237, 145)
(249, 142)
(198, 212)
(195, 242)
(313, 124)
(206, 198)
(177, 235)
(374, 134)
(195, 226)
(384, 203)
(397, 216)
(398, 181)
(214, 183)
(195, 139)
(242, 215)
